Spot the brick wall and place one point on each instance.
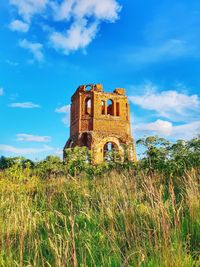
(104, 115)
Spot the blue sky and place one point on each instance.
(48, 48)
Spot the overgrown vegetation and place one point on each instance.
(117, 214)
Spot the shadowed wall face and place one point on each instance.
(98, 118)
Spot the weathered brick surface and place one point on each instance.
(98, 118)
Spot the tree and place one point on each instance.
(51, 166)
(77, 159)
(157, 150)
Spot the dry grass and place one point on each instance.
(115, 220)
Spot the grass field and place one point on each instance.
(118, 219)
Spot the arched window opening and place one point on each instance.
(88, 106)
(103, 107)
(110, 152)
(110, 107)
(117, 109)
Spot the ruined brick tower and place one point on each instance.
(101, 121)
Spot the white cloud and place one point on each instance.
(80, 33)
(34, 48)
(24, 105)
(18, 25)
(157, 127)
(167, 129)
(80, 20)
(33, 138)
(78, 36)
(65, 110)
(1, 91)
(169, 104)
(23, 151)
(187, 131)
(28, 8)
(63, 11)
(101, 10)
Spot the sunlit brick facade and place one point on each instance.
(98, 119)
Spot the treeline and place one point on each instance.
(158, 156)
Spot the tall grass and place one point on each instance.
(119, 219)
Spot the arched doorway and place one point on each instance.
(111, 152)
(109, 148)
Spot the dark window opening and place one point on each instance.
(103, 107)
(84, 139)
(110, 107)
(117, 109)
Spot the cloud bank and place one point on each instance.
(176, 114)
(167, 129)
(169, 104)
